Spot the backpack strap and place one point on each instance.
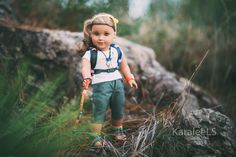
(119, 53)
(98, 71)
(93, 57)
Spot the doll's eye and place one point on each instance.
(106, 34)
(96, 33)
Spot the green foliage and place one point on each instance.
(65, 14)
(126, 29)
(30, 126)
(212, 12)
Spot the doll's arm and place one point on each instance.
(86, 73)
(129, 77)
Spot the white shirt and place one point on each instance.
(101, 64)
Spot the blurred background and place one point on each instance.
(179, 31)
(37, 112)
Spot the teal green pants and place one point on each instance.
(108, 94)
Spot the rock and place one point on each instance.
(210, 133)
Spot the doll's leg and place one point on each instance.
(117, 107)
(101, 96)
(96, 125)
(117, 123)
(95, 136)
(117, 129)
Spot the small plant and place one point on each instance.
(29, 124)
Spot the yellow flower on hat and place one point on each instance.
(115, 20)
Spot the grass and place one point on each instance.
(30, 125)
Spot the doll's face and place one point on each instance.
(102, 36)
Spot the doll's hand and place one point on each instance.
(131, 81)
(86, 83)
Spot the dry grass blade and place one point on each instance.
(170, 115)
(145, 138)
